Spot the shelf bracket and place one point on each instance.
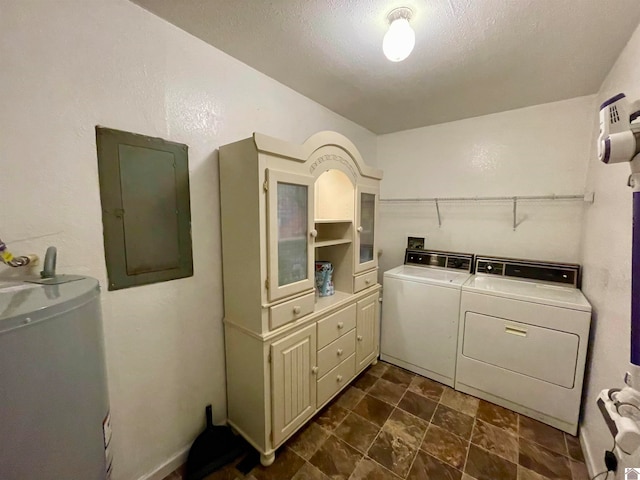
(438, 212)
(515, 212)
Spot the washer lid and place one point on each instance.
(529, 291)
(22, 303)
(434, 276)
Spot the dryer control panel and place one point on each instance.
(564, 273)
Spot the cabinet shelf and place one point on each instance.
(333, 232)
(330, 242)
(332, 220)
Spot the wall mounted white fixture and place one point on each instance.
(400, 39)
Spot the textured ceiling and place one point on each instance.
(472, 57)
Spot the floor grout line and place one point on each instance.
(464, 467)
(417, 451)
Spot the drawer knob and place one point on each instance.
(340, 325)
(339, 378)
(296, 309)
(359, 338)
(339, 352)
(367, 281)
(360, 229)
(314, 370)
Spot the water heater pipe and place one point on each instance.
(7, 257)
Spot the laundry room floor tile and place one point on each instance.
(460, 401)
(350, 398)
(407, 427)
(526, 474)
(378, 369)
(445, 446)
(427, 388)
(574, 447)
(453, 421)
(579, 470)
(357, 432)
(365, 381)
(393, 453)
(331, 416)
(387, 391)
(411, 427)
(427, 467)
(374, 410)
(307, 441)
(495, 440)
(336, 459)
(309, 472)
(544, 461)
(418, 405)
(398, 375)
(367, 469)
(487, 466)
(498, 416)
(542, 434)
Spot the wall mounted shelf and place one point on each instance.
(587, 198)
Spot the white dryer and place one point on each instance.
(420, 311)
(523, 335)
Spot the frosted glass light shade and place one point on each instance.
(399, 40)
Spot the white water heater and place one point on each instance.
(54, 406)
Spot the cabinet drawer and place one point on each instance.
(335, 352)
(365, 280)
(336, 379)
(336, 325)
(292, 310)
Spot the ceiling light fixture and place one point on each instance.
(400, 39)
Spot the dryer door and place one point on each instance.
(538, 352)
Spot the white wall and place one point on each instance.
(606, 258)
(538, 150)
(70, 65)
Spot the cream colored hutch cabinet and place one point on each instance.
(288, 351)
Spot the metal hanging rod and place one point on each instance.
(589, 197)
(585, 198)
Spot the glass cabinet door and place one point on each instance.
(367, 209)
(290, 233)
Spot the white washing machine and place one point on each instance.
(420, 311)
(523, 335)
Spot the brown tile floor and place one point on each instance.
(393, 424)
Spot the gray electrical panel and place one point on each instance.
(144, 190)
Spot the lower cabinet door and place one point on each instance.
(293, 381)
(366, 331)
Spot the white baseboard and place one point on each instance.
(169, 466)
(589, 457)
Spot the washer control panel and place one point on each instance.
(563, 273)
(434, 258)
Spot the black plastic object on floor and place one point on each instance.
(214, 448)
(249, 462)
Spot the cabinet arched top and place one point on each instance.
(306, 151)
